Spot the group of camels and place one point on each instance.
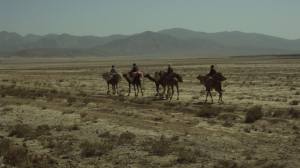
(162, 78)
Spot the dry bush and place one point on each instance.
(126, 138)
(253, 113)
(159, 147)
(16, 156)
(90, 149)
(227, 116)
(187, 155)
(22, 131)
(208, 111)
(26, 131)
(20, 156)
(294, 113)
(226, 164)
(4, 145)
(71, 101)
(294, 102)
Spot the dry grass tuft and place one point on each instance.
(253, 113)
(126, 138)
(90, 149)
(209, 111)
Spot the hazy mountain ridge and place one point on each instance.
(176, 41)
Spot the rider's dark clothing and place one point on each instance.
(170, 70)
(212, 72)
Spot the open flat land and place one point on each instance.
(55, 113)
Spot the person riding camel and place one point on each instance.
(134, 70)
(113, 70)
(170, 69)
(212, 74)
(212, 71)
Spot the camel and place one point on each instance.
(157, 79)
(212, 83)
(166, 80)
(172, 80)
(113, 80)
(136, 81)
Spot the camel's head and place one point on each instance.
(179, 77)
(201, 78)
(124, 75)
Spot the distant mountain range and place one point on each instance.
(169, 42)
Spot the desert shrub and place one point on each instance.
(226, 164)
(126, 138)
(294, 113)
(208, 111)
(42, 130)
(22, 131)
(186, 156)
(16, 156)
(294, 102)
(160, 147)
(227, 116)
(297, 93)
(89, 149)
(4, 145)
(71, 100)
(73, 127)
(253, 113)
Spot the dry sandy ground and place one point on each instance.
(55, 113)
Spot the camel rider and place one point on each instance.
(113, 70)
(212, 71)
(170, 69)
(134, 69)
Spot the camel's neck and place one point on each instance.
(150, 78)
(127, 78)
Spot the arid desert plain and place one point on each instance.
(56, 113)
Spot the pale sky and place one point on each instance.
(105, 17)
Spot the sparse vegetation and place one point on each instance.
(90, 149)
(253, 113)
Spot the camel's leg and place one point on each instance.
(177, 89)
(220, 97)
(108, 91)
(135, 92)
(142, 90)
(129, 89)
(117, 88)
(172, 92)
(164, 91)
(207, 92)
(212, 101)
(114, 89)
(157, 89)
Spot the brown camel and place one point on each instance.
(212, 83)
(172, 80)
(157, 79)
(113, 80)
(136, 81)
(166, 80)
